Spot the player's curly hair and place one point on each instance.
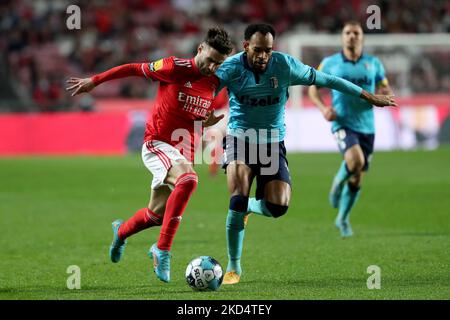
(219, 39)
(263, 28)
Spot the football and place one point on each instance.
(204, 274)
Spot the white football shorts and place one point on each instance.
(158, 157)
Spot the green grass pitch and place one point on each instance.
(57, 211)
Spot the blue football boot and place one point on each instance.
(344, 227)
(117, 246)
(161, 262)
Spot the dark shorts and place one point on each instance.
(346, 138)
(267, 161)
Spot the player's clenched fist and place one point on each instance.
(79, 85)
(329, 114)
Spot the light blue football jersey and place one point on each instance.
(367, 72)
(257, 100)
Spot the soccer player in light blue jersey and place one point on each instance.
(257, 81)
(352, 118)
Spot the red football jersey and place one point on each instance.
(184, 95)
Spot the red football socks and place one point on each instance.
(176, 203)
(144, 218)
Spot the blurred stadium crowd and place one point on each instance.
(39, 52)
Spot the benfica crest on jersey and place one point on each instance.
(273, 82)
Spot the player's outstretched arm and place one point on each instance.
(336, 83)
(328, 112)
(80, 85)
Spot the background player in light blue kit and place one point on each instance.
(257, 81)
(352, 118)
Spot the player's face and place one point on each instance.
(259, 50)
(209, 59)
(352, 36)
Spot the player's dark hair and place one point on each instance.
(263, 28)
(219, 39)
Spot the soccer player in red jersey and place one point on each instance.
(185, 94)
